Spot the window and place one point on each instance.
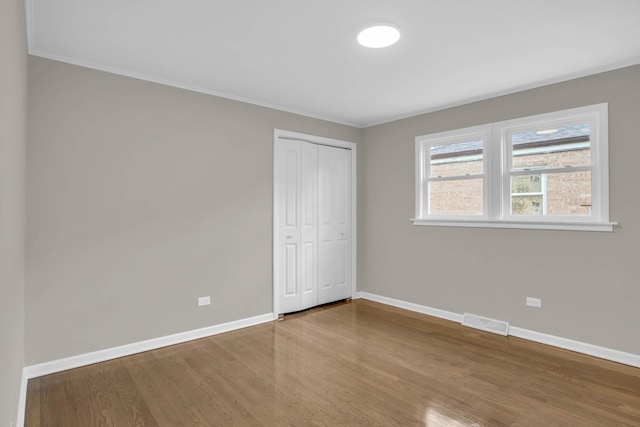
(454, 173)
(545, 171)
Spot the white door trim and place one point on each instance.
(285, 134)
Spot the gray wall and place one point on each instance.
(588, 281)
(141, 198)
(13, 112)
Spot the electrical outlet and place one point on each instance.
(534, 302)
(204, 301)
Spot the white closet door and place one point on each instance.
(334, 224)
(296, 232)
(312, 224)
(309, 226)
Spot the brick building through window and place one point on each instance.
(556, 194)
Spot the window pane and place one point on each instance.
(527, 205)
(458, 159)
(456, 197)
(526, 184)
(554, 194)
(552, 148)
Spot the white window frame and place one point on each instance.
(497, 172)
(423, 166)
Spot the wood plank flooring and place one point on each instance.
(358, 363)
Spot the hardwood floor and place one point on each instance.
(359, 363)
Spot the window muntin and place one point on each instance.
(551, 168)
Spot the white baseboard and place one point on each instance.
(53, 366)
(565, 343)
(577, 346)
(22, 400)
(58, 365)
(435, 312)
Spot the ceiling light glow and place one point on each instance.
(547, 131)
(378, 36)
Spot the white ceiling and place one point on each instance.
(302, 55)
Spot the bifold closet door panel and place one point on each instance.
(334, 224)
(287, 166)
(309, 226)
(296, 231)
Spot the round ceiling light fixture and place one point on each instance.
(378, 36)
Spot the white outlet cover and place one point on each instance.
(204, 301)
(534, 302)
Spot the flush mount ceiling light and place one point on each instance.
(378, 36)
(547, 131)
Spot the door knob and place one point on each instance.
(289, 236)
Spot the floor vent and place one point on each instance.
(489, 325)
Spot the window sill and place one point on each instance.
(533, 225)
